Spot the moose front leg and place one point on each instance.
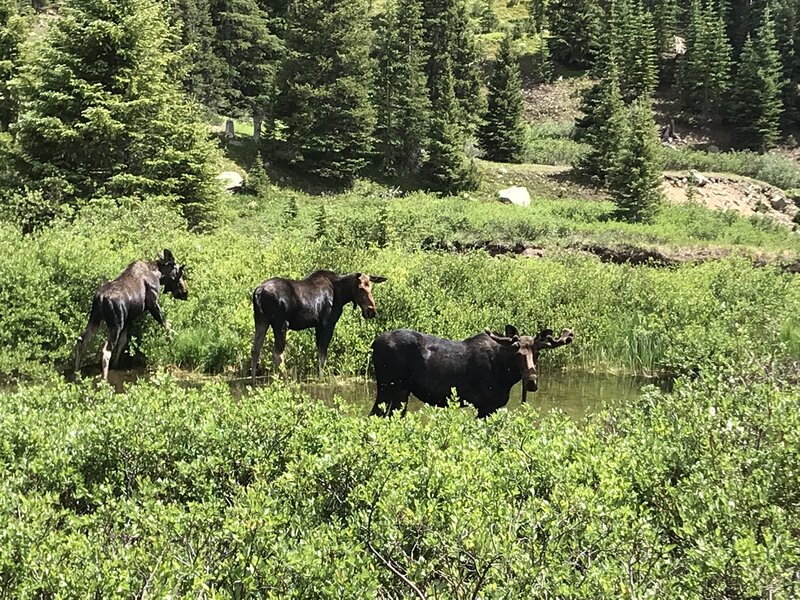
(324, 334)
(151, 304)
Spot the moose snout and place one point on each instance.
(530, 380)
(369, 312)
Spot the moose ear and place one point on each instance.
(511, 331)
(377, 279)
(168, 256)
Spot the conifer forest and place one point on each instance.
(376, 299)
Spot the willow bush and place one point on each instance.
(165, 490)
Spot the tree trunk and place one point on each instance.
(229, 131)
(256, 127)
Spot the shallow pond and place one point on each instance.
(577, 394)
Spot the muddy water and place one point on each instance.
(577, 394)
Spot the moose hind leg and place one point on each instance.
(83, 341)
(279, 347)
(258, 343)
(120, 346)
(108, 349)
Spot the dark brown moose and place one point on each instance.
(120, 301)
(316, 301)
(482, 369)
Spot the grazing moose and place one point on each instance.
(120, 301)
(316, 301)
(482, 369)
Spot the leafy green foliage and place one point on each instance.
(166, 490)
(502, 135)
(638, 319)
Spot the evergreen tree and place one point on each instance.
(631, 41)
(12, 32)
(704, 70)
(636, 180)
(576, 28)
(401, 93)
(665, 17)
(757, 97)
(602, 127)
(100, 117)
(257, 178)
(487, 17)
(448, 32)
(324, 88)
(502, 136)
(200, 68)
(249, 51)
(537, 15)
(541, 64)
(446, 167)
(787, 30)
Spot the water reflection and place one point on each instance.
(577, 394)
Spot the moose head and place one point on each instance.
(527, 351)
(362, 293)
(172, 275)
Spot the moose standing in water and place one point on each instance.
(316, 301)
(482, 369)
(120, 301)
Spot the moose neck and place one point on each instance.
(342, 291)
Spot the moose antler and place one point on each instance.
(545, 339)
(502, 339)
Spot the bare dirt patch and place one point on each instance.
(740, 194)
(558, 101)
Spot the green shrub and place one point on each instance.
(164, 490)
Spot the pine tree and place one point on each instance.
(200, 68)
(787, 29)
(537, 15)
(401, 94)
(100, 117)
(465, 57)
(704, 70)
(12, 33)
(636, 180)
(446, 166)
(502, 136)
(757, 97)
(665, 17)
(249, 51)
(602, 127)
(324, 88)
(487, 17)
(576, 28)
(447, 32)
(631, 41)
(257, 178)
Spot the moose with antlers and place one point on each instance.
(482, 369)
